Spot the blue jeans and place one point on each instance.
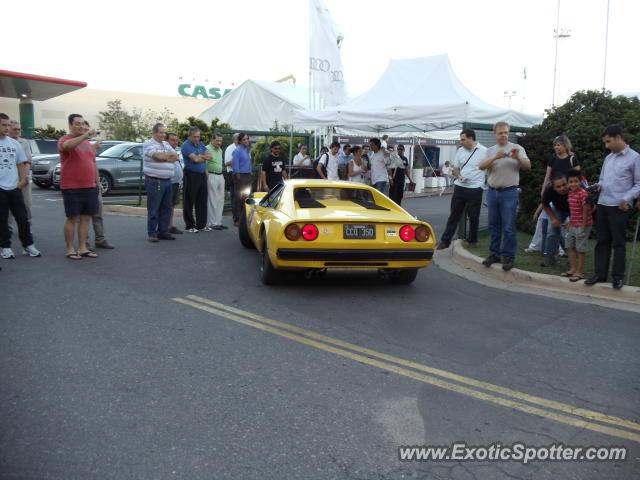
(554, 235)
(159, 205)
(543, 242)
(503, 209)
(382, 187)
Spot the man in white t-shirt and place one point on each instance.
(380, 171)
(13, 178)
(330, 162)
(468, 188)
(228, 158)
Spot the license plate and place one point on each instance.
(359, 232)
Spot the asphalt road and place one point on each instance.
(172, 360)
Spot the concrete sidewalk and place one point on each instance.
(458, 260)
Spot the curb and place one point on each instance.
(127, 210)
(432, 192)
(464, 258)
(141, 211)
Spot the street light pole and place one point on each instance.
(555, 61)
(509, 95)
(606, 47)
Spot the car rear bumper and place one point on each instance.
(352, 255)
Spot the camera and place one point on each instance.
(98, 132)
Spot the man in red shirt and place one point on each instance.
(79, 184)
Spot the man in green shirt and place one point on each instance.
(215, 184)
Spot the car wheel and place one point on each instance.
(243, 232)
(268, 274)
(106, 182)
(404, 276)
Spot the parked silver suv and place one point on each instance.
(118, 167)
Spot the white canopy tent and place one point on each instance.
(414, 95)
(257, 105)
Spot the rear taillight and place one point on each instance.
(407, 233)
(292, 232)
(309, 232)
(422, 233)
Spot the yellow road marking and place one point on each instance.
(263, 323)
(580, 412)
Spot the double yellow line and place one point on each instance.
(560, 412)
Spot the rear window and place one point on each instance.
(323, 197)
(105, 146)
(116, 151)
(47, 146)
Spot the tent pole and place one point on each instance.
(291, 150)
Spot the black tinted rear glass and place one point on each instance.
(321, 197)
(47, 146)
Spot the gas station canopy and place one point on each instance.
(35, 87)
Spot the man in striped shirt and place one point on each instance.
(158, 168)
(580, 222)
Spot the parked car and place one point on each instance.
(118, 167)
(42, 146)
(43, 167)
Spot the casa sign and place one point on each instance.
(187, 90)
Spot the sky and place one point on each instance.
(152, 47)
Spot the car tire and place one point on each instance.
(106, 181)
(404, 276)
(243, 232)
(268, 274)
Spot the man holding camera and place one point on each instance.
(619, 186)
(503, 163)
(79, 184)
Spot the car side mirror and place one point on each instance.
(251, 201)
(127, 155)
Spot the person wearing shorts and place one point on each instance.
(580, 222)
(79, 184)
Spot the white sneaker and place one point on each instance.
(193, 230)
(31, 251)
(531, 250)
(7, 253)
(206, 229)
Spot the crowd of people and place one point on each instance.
(564, 217)
(376, 164)
(566, 211)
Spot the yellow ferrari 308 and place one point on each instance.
(319, 225)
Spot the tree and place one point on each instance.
(48, 132)
(582, 119)
(116, 122)
(182, 129)
(119, 124)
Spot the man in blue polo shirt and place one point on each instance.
(195, 156)
(241, 163)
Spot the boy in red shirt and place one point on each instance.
(581, 220)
